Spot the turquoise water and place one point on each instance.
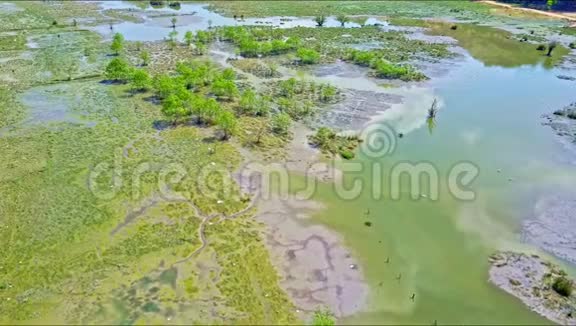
(438, 250)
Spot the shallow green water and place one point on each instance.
(490, 117)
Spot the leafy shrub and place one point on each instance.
(562, 286)
(140, 80)
(281, 123)
(224, 88)
(541, 47)
(253, 104)
(388, 70)
(347, 154)
(323, 318)
(117, 43)
(308, 56)
(383, 68)
(118, 70)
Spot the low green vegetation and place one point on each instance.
(300, 99)
(308, 56)
(330, 44)
(331, 143)
(562, 286)
(253, 42)
(357, 7)
(257, 67)
(323, 318)
(383, 68)
(81, 248)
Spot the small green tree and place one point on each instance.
(138, 45)
(207, 110)
(117, 43)
(174, 20)
(164, 85)
(140, 80)
(281, 123)
(224, 88)
(118, 70)
(342, 19)
(227, 123)
(199, 48)
(323, 318)
(203, 37)
(173, 108)
(320, 20)
(189, 38)
(248, 101)
(145, 57)
(172, 39)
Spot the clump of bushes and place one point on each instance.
(308, 56)
(541, 47)
(323, 318)
(572, 45)
(331, 143)
(562, 286)
(569, 111)
(383, 68)
(316, 92)
(254, 42)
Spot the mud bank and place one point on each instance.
(553, 227)
(315, 268)
(357, 109)
(563, 122)
(530, 279)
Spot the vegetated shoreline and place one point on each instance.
(532, 280)
(563, 122)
